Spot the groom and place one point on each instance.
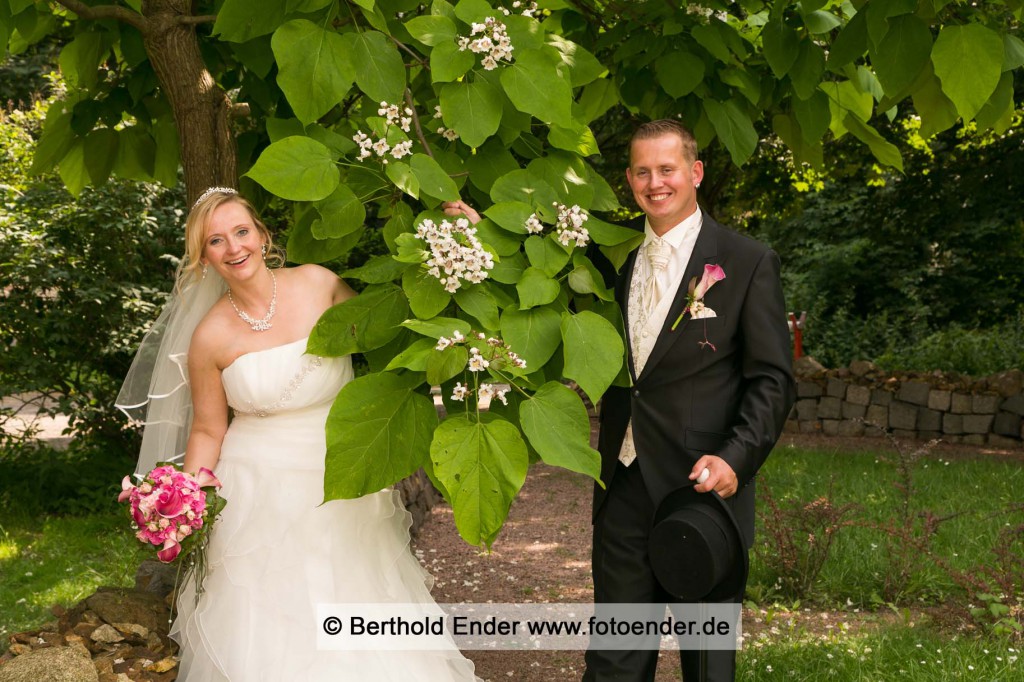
(711, 392)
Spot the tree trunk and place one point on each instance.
(202, 111)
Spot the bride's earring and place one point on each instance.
(263, 251)
(204, 270)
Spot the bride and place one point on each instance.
(259, 404)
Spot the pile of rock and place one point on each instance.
(115, 635)
(861, 400)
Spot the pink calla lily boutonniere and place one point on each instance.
(695, 299)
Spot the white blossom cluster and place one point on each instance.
(395, 116)
(493, 43)
(569, 225)
(495, 353)
(706, 12)
(534, 225)
(529, 9)
(447, 133)
(367, 147)
(455, 254)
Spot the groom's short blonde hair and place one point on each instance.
(667, 126)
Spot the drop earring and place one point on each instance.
(263, 251)
(204, 270)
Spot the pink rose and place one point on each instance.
(170, 503)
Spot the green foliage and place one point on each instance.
(82, 281)
(923, 271)
(342, 100)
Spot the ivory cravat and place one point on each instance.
(658, 253)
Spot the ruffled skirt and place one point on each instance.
(276, 552)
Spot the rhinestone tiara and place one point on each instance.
(214, 190)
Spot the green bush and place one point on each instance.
(82, 279)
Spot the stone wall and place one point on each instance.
(861, 400)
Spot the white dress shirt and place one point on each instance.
(645, 326)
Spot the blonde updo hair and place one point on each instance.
(190, 270)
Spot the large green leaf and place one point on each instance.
(448, 63)
(296, 168)
(536, 288)
(781, 46)
(72, 168)
(883, 150)
(850, 44)
(378, 432)
(478, 301)
(546, 253)
(303, 247)
(57, 138)
(578, 139)
(806, 72)
(413, 357)
(734, 128)
(585, 279)
(340, 214)
(813, 115)
(361, 323)
(566, 173)
(427, 297)
(968, 60)
(593, 352)
(136, 154)
(534, 334)
(437, 327)
(482, 465)
(431, 29)
(446, 364)
(536, 87)
(314, 68)
(937, 111)
(80, 59)
(100, 154)
(379, 69)
(523, 186)
(510, 215)
(679, 72)
(556, 422)
(597, 98)
(821, 22)
(433, 179)
(999, 107)
(237, 22)
(490, 162)
(497, 239)
(903, 53)
(583, 66)
(377, 270)
(473, 109)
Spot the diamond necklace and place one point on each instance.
(262, 324)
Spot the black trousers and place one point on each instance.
(622, 574)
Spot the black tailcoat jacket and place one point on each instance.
(691, 400)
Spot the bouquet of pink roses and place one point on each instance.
(174, 511)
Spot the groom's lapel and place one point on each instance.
(705, 250)
(622, 284)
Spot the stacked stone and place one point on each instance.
(115, 635)
(862, 401)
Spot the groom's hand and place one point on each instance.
(721, 477)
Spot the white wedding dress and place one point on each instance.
(275, 552)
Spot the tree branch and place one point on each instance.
(189, 20)
(122, 14)
(416, 122)
(415, 56)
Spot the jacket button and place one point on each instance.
(636, 393)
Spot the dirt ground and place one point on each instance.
(543, 555)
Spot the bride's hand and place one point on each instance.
(460, 207)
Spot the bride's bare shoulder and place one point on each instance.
(211, 334)
(321, 279)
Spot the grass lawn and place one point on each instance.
(845, 629)
(59, 560)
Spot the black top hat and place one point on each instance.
(696, 547)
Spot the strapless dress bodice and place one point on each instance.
(283, 379)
